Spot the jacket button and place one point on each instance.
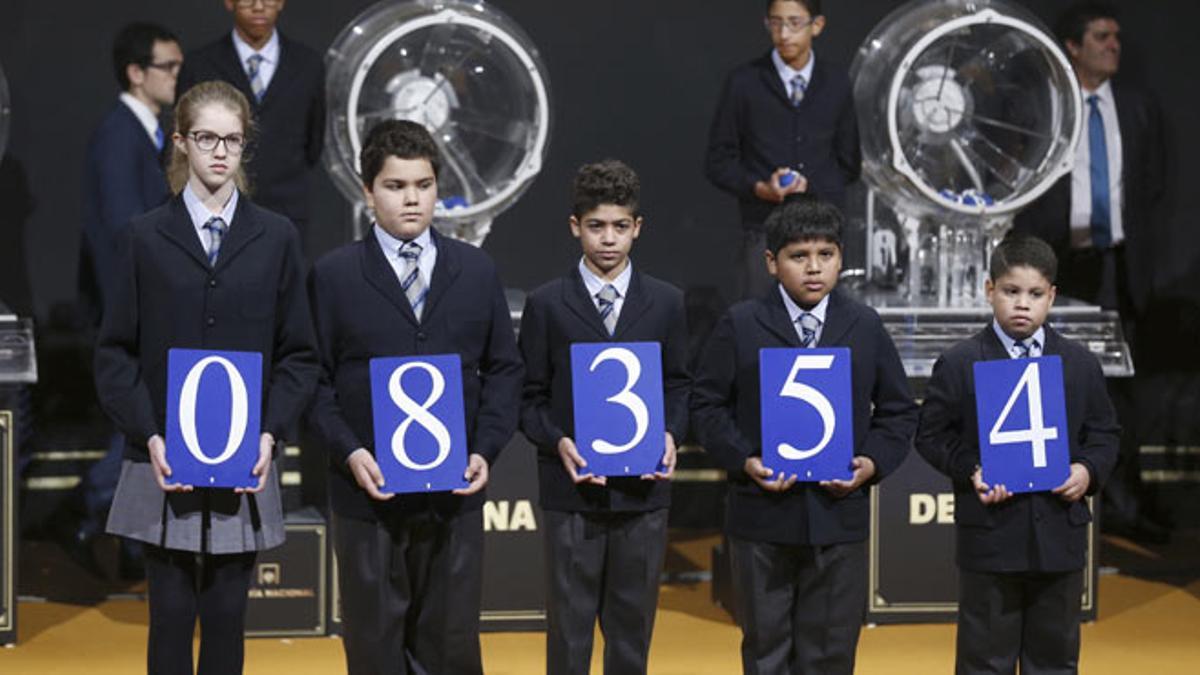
(212, 283)
(421, 336)
(212, 321)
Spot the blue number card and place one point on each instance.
(1022, 409)
(420, 427)
(618, 395)
(214, 409)
(807, 412)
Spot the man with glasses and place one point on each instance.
(285, 84)
(785, 123)
(123, 178)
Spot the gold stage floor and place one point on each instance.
(1145, 628)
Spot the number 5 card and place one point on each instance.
(807, 412)
(1022, 410)
(420, 426)
(618, 402)
(214, 408)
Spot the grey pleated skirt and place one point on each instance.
(204, 520)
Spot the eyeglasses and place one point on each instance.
(171, 67)
(207, 141)
(793, 23)
(247, 4)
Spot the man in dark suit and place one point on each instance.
(409, 566)
(1102, 219)
(285, 83)
(798, 550)
(1020, 557)
(785, 123)
(123, 178)
(605, 536)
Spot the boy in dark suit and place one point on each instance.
(285, 83)
(605, 537)
(1020, 557)
(798, 549)
(785, 111)
(410, 566)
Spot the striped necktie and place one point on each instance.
(607, 298)
(253, 72)
(1098, 173)
(410, 275)
(216, 232)
(809, 324)
(799, 84)
(1023, 348)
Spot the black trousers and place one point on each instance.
(411, 589)
(602, 566)
(1026, 618)
(801, 607)
(184, 586)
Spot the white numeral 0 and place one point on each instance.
(625, 397)
(419, 413)
(239, 409)
(1038, 433)
(803, 392)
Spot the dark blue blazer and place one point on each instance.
(561, 313)
(361, 313)
(726, 417)
(1143, 157)
(1033, 531)
(756, 130)
(166, 295)
(290, 119)
(123, 177)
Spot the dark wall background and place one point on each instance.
(630, 79)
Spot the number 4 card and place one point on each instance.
(1022, 410)
(620, 427)
(807, 412)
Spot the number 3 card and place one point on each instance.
(420, 426)
(1023, 442)
(807, 412)
(214, 408)
(618, 396)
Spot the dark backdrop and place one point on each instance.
(630, 79)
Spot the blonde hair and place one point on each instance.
(188, 108)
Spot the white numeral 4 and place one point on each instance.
(1037, 433)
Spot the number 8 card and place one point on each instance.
(618, 401)
(1022, 410)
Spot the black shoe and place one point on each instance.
(78, 547)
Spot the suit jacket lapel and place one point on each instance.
(636, 303)
(774, 317)
(235, 72)
(244, 229)
(990, 346)
(445, 271)
(181, 232)
(771, 77)
(838, 320)
(284, 73)
(576, 298)
(381, 275)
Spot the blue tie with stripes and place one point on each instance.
(607, 298)
(410, 275)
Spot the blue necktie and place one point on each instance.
(1098, 171)
(809, 324)
(253, 68)
(1023, 349)
(799, 84)
(413, 285)
(607, 303)
(159, 139)
(216, 232)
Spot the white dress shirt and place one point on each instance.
(1081, 177)
(144, 115)
(787, 73)
(391, 251)
(269, 52)
(595, 284)
(200, 214)
(1036, 342)
(795, 311)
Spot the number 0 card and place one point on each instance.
(1023, 442)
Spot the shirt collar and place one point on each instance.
(595, 284)
(1038, 338)
(200, 213)
(269, 52)
(391, 245)
(794, 311)
(788, 73)
(142, 112)
(1103, 92)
